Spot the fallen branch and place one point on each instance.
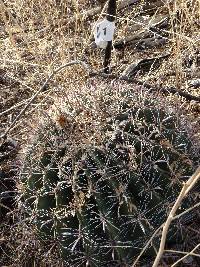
(144, 65)
(136, 40)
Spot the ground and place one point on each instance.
(156, 43)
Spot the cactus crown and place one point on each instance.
(102, 199)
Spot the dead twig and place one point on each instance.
(158, 229)
(146, 246)
(186, 188)
(181, 252)
(16, 106)
(188, 254)
(186, 211)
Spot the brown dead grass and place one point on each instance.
(36, 37)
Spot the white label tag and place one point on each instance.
(103, 33)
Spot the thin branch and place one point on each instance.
(5, 207)
(188, 254)
(192, 181)
(186, 211)
(18, 105)
(146, 246)
(181, 252)
(167, 224)
(157, 230)
(186, 188)
(42, 89)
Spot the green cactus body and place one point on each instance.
(103, 203)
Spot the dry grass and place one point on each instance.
(37, 37)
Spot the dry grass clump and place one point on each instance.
(36, 37)
(184, 43)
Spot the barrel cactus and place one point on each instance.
(102, 198)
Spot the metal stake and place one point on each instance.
(111, 13)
